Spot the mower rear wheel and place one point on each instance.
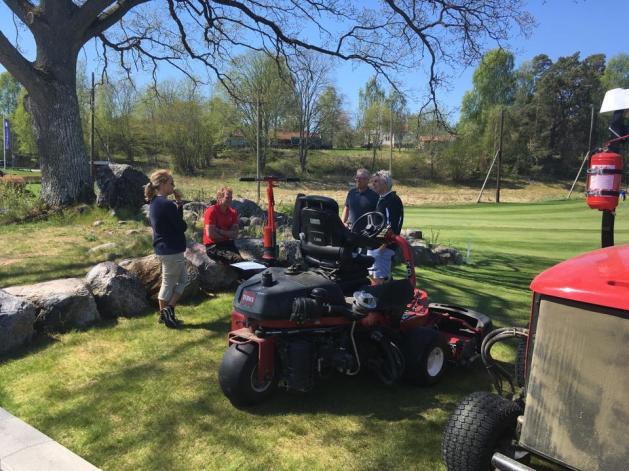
(482, 424)
(238, 376)
(426, 356)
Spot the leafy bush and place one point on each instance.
(17, 203)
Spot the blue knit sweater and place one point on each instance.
(168, 226)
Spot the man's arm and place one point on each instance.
(345, 215)
(220, 235)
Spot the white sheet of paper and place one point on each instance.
(248, 266)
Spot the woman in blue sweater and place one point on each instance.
(169, 241)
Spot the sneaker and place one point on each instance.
(167, 316)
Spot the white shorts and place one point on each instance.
(381, 267)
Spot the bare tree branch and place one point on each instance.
(110, 17)
(21, 9)
(16, 64)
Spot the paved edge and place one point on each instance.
(23, 447)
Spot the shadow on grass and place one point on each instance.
(478, 284)
(44, 272)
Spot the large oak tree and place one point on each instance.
(389, 35)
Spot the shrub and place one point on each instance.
(16, 202)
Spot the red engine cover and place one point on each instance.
(604, 179)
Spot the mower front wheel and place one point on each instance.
(482, 424)
(238, 376)
(426, 356)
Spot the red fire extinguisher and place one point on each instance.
(604, 180)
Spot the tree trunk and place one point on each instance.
(65, 169)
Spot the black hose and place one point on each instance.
(497, 372)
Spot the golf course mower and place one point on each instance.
(292, 327)
(567, 401)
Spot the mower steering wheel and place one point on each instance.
(369, 224)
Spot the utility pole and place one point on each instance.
(502, 120)
(258, 144)
(92, 106)
(391, 138)
(4, 143)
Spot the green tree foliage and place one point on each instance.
(334, 124)
(261, 89)
(617, 72)
(9, 92)
(23, 128)
(547, 110)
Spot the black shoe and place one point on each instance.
(172, 314)
(167, 317)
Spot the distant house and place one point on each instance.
(236, 140)
(291, 139)
(434, 139)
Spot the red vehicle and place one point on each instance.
(294, 326)
(567, 401)
(572, 409)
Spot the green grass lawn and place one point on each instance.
(131, 394)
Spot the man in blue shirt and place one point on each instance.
(360, 200)
(391, 207)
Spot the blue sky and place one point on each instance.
(563, 28)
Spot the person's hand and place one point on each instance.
(177, 195)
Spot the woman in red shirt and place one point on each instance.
(220, 228)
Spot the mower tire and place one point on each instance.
(482, 424)
(238, 376)
(425, 355)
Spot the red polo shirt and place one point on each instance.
(215, 217)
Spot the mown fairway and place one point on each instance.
(134, 395)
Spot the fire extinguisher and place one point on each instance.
(603, 189)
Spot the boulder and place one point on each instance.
(289, 251)
(60, 304)
(196, 207)
(144, 209)
(243, 222)
(117, 292)
(247, 208)
(256, 221)
(250, 248)
(120, 187)
(149, 270)
(108, 247)
(190, 217)
(212, 276)
(17, 316)
(448, 255)
(414, 234)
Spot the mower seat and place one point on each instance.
(324, 240)
(327, 244)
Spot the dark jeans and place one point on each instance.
(224, 252)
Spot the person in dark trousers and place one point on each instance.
(169, 241)
(359, 200)
(390, 205)
(220, 228)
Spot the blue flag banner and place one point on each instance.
(7, 135)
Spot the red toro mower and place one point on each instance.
(293, 326)
(568, 399)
